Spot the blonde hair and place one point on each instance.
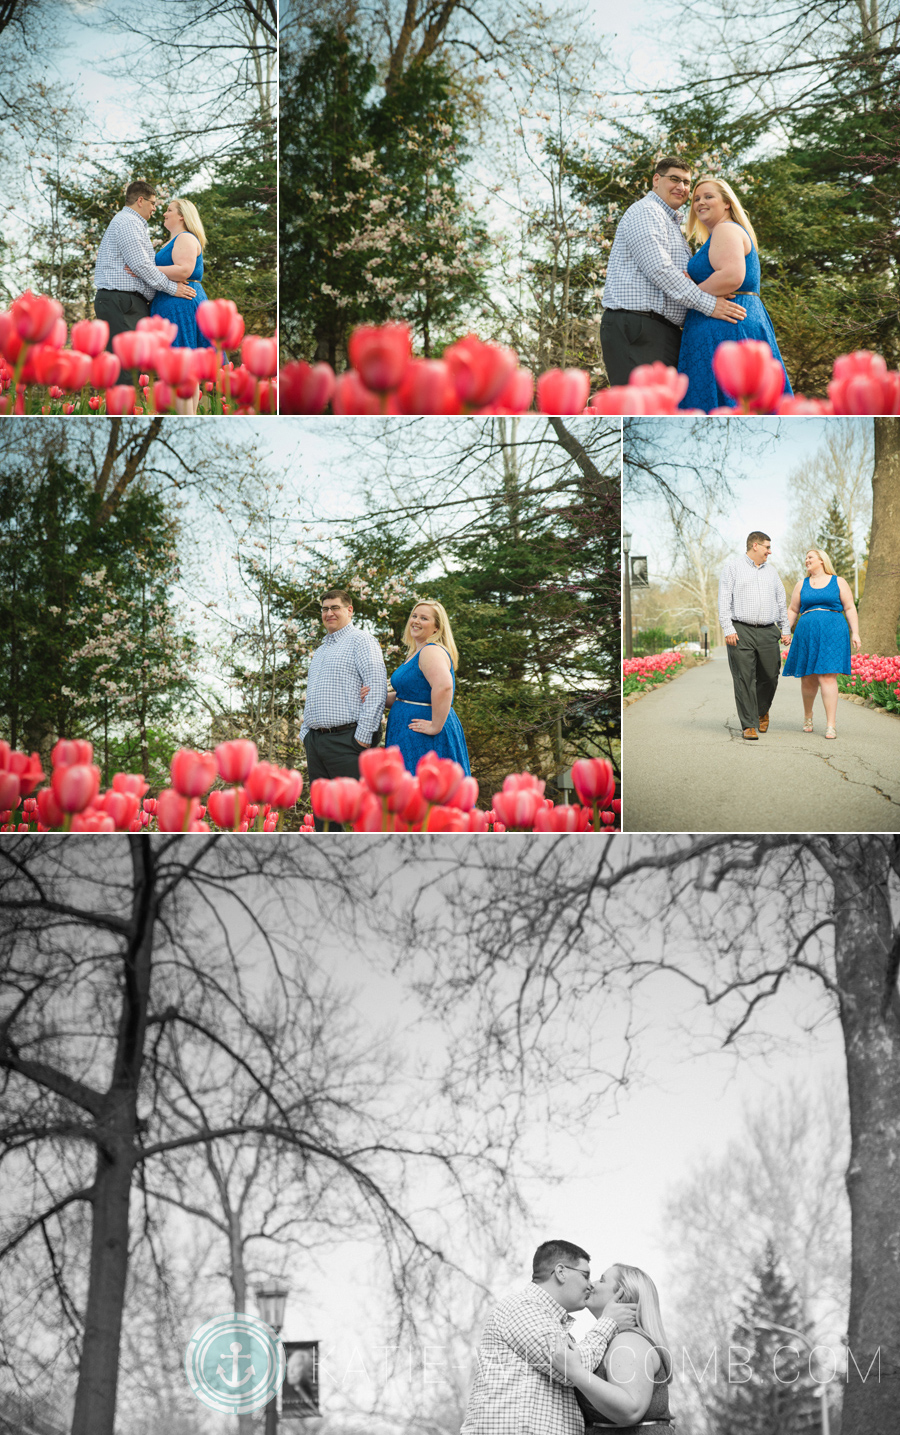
(192, 221)
(443, 632)
(826, 561)
(696, 230)
(638, 1289)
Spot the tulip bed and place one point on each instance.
(143, 375)
(482, 378)
(640, 674)
(385, 798)
(877, 679)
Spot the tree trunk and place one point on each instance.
(866, 973)
(117, 1132)
(879, 608)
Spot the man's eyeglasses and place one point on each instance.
(585, 1274)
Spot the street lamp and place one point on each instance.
(823, 1389)
(271, 1300)
(626, 549)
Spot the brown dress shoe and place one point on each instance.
(750, 734)
(764, 723)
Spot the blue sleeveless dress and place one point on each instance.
(702, 336)
(821, 641)
(412, 687)
(182, 312)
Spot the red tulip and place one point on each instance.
(520, 781)
(9, 790)
(305, 388)
(10, 343)
(132, 782)
(480, 371)
(193, 773)
(517, 807)
(477, 821)
(289, 788)
(120, 400)
(797, 404)
(439, 777)
(57, 336)
(27, 769)
(49, 810)
(93, 822)
(235, 334)
(69, 751)
(465, 796)
(381, 769)
(74, 371)
(163, 396)
(227, 806)
(563, 818)
(660, 376)
(352, 397)
(75, 787)
(518, 395)
(267, 396)
(446, 819)
(563, 391)
(163, 330)
(427, 387)
(34, 316)
(175, 812)
(122, 807)
(403, 795)
(236, 758)
(216, 318)
(380, 355)
(863, 385)
(177, 366)
(260, 356)
(744, 369)
(136, 349)
(105, 369)
(263, 782)
(206, 364)
(594, 780)
(370, 817)
(90, 336)
(338, 799)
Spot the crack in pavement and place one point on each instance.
(839, 772)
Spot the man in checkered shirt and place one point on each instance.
(337, 722)
(647, 292)
(516, 1390)
(124, 297)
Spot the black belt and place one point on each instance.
(649, 314)
(773, 624)
(344, 727)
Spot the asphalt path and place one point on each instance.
(686, 767)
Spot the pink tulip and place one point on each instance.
(380, 355)
(9, 790)
(105, 369)
(90, 336)
(27, 769)
(136, 349)
(177, 366)
(193, 773)
(120, 399)
(744, 370)
(305, 388)
(517, 807)
(594, 780)
(216, 318)
(71, 751)
(563, 818)
(518, 395)
(660, 376)
(465, 796)
(352, 397)
(75, 787)
(563, 391)
(163, 330)
(260, 356)
(370, 818)
(131, 782)
(797, 404)
(289, 788)
(381, 769)
(263, 782)
(34, 317)
(236, 758)
(439, 777)
(174, 811)
(49, 810)
(92, 822)
(122, 807)
(480, 371)
(862, 384)
(446, 819)
(477, 821)
(338, 799)
(427, 388)
(227, 807)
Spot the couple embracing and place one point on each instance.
(532, 1377)
(661, 302)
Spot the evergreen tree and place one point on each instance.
(837, 540)
(769, 1390)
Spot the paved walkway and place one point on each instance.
(686, 767)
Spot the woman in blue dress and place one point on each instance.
(421, 691)
(727, 263)
(182, 258)
(821, 608)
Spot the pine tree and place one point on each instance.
(837, 540)
(766, 1388)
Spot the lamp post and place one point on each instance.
(271, 1300)
(823, 1390)
(626, 586)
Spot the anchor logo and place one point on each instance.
(236, 1357)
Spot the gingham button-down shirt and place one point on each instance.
(347, 660)
(516, 1391)
(127, 241)
(751, 595)
(646, 263)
